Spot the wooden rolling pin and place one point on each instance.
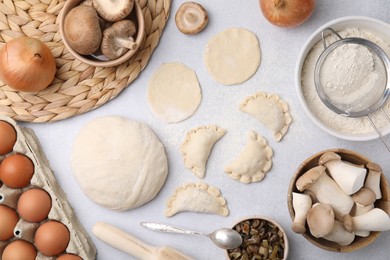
(129, 244)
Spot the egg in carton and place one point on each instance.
(60, 214)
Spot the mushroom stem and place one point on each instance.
(361, 209)
(127, 42)
(340, 235)
(348, 176)
(373, 179)
(374, 220)
(326, 190)
(301, 205)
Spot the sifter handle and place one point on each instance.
(377, 129)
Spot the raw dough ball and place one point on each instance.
(174, 93)
(232, 56)
(119, 164)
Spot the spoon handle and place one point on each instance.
(167, 228)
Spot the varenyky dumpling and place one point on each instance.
(253, 162)
(197, 146)
(270, 110)
(197, 197)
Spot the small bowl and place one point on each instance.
(269, 221)
(99, 60)
(349, 156)
(381, 29)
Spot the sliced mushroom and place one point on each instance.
(320, 219)
(82, 29)
(113, 10)
(117, 39)
(191, 18)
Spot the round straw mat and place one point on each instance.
(77, 87)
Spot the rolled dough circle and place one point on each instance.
(119, 163)
(174, 93)
(232, 56)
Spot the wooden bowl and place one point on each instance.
(97, 59)
(352, 157)
(269, 220)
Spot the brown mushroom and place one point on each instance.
(82, 29)
(118, 39)
(191, 18)
(113, 10)
(320, 219)
(364, 197)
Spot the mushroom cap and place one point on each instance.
(113, 10)
(82, 29)
(374, 167)
(309, 177)
(191, 18)
(117, 39)
(328, 156)
(348, 223)
(365, 196)
(320, 219)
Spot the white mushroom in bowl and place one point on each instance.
(113, 10)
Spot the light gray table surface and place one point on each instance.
(279, 50)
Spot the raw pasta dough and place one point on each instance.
(119, 164)
(174, 93)
(270, 110)
(197, 197)
(197, 146)
(232, 56)
(254, 161)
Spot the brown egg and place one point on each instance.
(19, 250)
(16, 171)
(52, 238)
(7, 137)
(69, 257)
(34, 205)
(8, 220)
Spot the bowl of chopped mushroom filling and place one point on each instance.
(262, 238)
(102, 33)
(339, 200)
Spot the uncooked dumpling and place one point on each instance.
(174, 93)
(270, 110)
(119, 163)
(232, 56)
(254, 161)
(197, 146)
(197, 197)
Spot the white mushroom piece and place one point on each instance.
(326, 190)
(348, 176)
(373, 179)
(191, 18)
(340, 235)
(82, 29)
(301, 204)
(374, 220)
(118, 39)
(320, 219)
(113, 10)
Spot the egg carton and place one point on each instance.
(80, 243)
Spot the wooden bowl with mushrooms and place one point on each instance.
(102, 33)
(339, 200)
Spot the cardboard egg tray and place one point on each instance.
(27, 143)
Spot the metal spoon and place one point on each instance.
(225, 238)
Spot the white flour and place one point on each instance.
(344, 69)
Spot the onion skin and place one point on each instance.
(287, 13)
(27, 64)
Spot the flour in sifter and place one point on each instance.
(340, 75)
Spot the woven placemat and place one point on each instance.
(77, 87)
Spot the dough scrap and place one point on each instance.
(270, 110)
(120, 164)
(174, 93)
(197, 197)
(253, 162)
(197, 146)
(232, 56)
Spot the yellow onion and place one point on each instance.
(27, 64)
